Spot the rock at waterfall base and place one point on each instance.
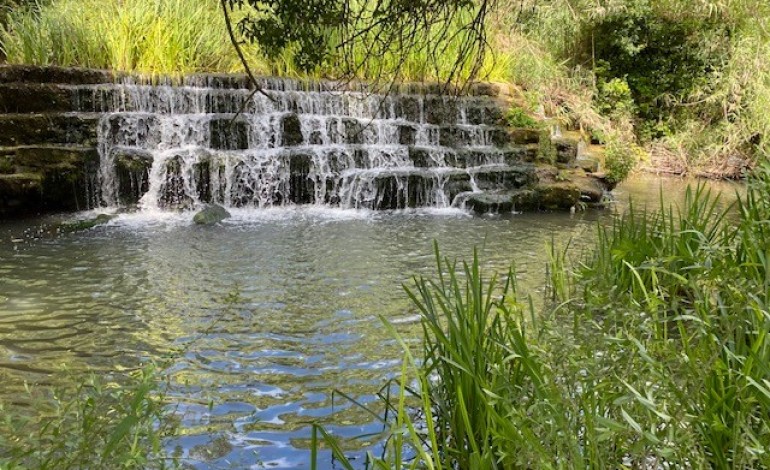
(85, 224)
(211, 214)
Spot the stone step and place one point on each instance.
(29, 89)
(53, 74)
(25, 158)
(36, 98)
(301, 183)
(56, 128)
(268, 84)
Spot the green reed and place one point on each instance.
(96, 424)
(653, 352)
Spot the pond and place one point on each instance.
(265, 314)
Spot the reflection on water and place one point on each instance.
(274, 309)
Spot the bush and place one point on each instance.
(518, 117)
(620, 157)
(614, 98)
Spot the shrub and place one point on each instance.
(620, 157)
(518, 117)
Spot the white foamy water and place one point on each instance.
(208, 141)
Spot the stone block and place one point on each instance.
(557, 196)
(34, 129)
(35, 98)
(407, 135)
(291, 129)
(227, 134)
(408, 108)
(587, 164)
(502, 201)
(523, 136)
(53, 74)
(566, 150)
(440, 110)
(504, 177)
(301, 188)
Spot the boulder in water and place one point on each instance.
(497, 202)
(211, 214)
(85, 224)
(561, 195)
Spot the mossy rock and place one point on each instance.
(591, 189)
(20, 183)
(502, 201)
(36, 129)
(505, 178)
(210, 215)
(53, 74)
(588, 164)
(7, 164)
(35, 98)
(85, 224)
(523, 136)
(485, 89)
(566, 150)
(557, 196)
(47, 158)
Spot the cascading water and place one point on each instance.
(210, 139)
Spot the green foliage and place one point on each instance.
(178, 37)
(620, 157)
(155, 36)
(97, 424)
(518, 117)
(663, 59)
(371, 38)
(614, 98)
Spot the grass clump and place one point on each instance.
(154, 37)
(518, 117)
(97, 424)
(654, 352)
(172, 37)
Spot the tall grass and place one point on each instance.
(153, 36)
(654, 355)
(177, 37)
(96, 424)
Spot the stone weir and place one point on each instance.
(75, 139)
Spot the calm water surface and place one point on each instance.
(273, 309)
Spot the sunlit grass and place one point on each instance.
(179, 37)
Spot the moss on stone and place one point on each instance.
(85, 224)
(36, 129)
(53, 74)
(557, 196)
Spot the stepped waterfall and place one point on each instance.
(210, 139)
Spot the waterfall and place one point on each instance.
(210, 139)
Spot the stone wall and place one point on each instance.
(49, 160)
(48, 156)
